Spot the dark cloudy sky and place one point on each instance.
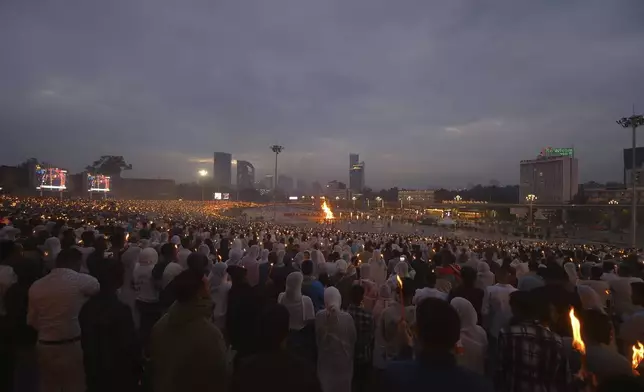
(428, 92)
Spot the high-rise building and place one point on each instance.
(356, 173)
(553, 177)
(285, 183)
(222, 169)
(268, 182)
(245, 175)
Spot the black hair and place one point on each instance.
(272, 327)
(198, 262)
(596, 272)
(307, 267)
(357, 294)
(438, 325)
(185, 242)
(186, 285)
(468, 274)
(69, 258)
(596, 326)
(168, 250)
(109, 274)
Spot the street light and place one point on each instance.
(354, 201)
(337, 202)
(633, 122)
(276, 149)
(458, 198)
(202, 173)
(409, 199)
(531, 199)
(379, 200)
(613, 202)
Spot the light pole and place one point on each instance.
(276, 149)
(368, 205)
(458, 198)
(337, 202)
(354, 201)
(613, 202)
(531, 199)
(409, 198)
(633, 122)
(379, 200)
(202, 174)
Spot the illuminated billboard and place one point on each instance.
(98, 183)
(294, 198)
(557, 152)
(226, 196)
(51, 178)
(217, 195)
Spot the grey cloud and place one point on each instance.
(428, 92)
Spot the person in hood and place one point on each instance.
(244, 307)
(235, 256)
(252, 265)
(147, 295)
(184, 252)
(187, 352)
(473, 337)
(336, 337)
(378, 268)
(219, 287)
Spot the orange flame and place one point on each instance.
(399, 281)
(328, 214)
(638, 355)
(577, 342)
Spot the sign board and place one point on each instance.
(557, 152)
(217, 195)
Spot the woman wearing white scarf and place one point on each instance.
(473, 337)
(378, 268)
(264, 257)
(126, 293)
(52, 249)
(219, 287)
(335, 334)
(484, 277)
(369, 286)
(300, 307)
(252, 265)
(571, 271)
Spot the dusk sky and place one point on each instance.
(439, 93)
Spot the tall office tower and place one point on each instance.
(356, 173)
(222, 169)
(268, 182)
(245, 175)
(552, 177)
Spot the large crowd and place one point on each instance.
(174, 296)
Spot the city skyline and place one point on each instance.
(430, 94)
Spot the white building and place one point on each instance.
(553, 179)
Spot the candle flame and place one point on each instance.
(577, 342)
(127, 236)
(638, 355)
(328, 214)
(399, 281)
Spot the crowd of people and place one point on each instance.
(138, 296)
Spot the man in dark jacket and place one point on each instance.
(112, 354)
(244, 307)
(438, 328)
(273, 368)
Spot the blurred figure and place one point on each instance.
(473, 337)
(336, 336)
(273, 368)
(187, 352)
(363, 353)
(469, 291)
(54, 304)
(112, 354)
(435, 368)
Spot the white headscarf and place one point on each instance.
(378, 268)
(264, 258)
(341, 266)
(473, 337)
(218, 276)
(571, 271)
(148, 256)
(52, 247)
(234, 257)
(294, 286)
(484, 277)
(589, 298)
(280, 258)
(332, 301)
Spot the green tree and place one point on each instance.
(109, 165)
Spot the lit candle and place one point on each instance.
(402, 298)
(638, 355)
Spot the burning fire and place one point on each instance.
(638, 355)
(577, 343)
(328, 214)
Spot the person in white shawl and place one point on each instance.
(219, 287)
(234, 257)
(52, 249)
(300, 307)
(263, 259)
(484, 276)
(205, 250)
(369, 286)
(126, 293)
(378, 268)
(335, 334)
(252, 265)
(473, 337)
